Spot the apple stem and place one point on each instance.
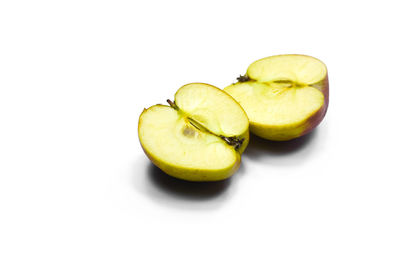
(233, 141)
(172, 104)
(243, 78)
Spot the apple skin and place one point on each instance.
(195, 175)
(315, 120)
(246, 137)
(297, 130)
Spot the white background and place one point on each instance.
(77, 190)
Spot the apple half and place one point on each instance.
(199, 137)
(284, 96)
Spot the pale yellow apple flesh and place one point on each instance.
(284, 96)
(199, 137)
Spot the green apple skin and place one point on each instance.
(194, 175)
(246, 137)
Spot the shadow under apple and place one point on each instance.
(185, 189)
(285, 152)
(171, 191)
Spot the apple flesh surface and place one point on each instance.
(284, 96)
(199, 137)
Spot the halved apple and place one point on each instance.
(199, 137)
(284, 96)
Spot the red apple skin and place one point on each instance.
(315, 119)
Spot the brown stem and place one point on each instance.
(243, 78)
(233, 141)
(172, 104)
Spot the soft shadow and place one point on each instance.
(185, 189)
(258, 146)
(170, 192)
(281, 152)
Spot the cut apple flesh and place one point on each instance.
(191, 139)
(172, 138)
(218, 113)
(299, 69)
(282, 94)
(271, 105)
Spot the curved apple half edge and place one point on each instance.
(284, 96)
(199, 137)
